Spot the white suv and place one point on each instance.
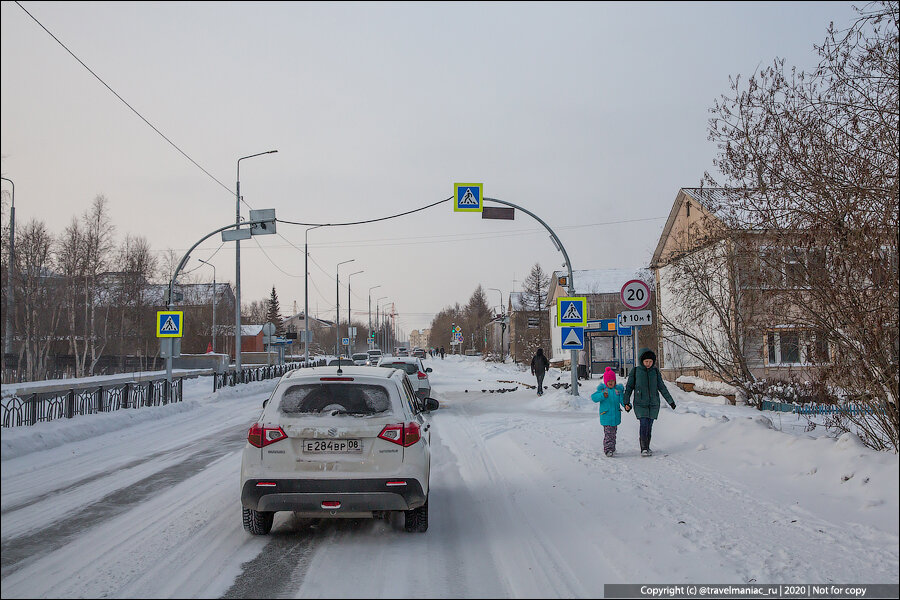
(339, 442)
(415, 370)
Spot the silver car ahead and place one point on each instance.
(339, 442)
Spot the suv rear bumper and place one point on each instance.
(354, 495)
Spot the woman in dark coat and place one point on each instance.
(647, 383)
(539, 366)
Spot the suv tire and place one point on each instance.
(256, 522)
(417, 519)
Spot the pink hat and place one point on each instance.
(609, 375)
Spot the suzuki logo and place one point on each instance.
(332, 432)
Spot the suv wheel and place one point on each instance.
(417, 519)
(256, 522)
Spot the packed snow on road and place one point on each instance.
(523, 502)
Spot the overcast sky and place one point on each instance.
(591, 115)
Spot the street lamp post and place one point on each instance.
(378, 323)
(237, 263)
(7, 329)
(337, 310)
(214, 303)
(350, 339)
(370, 316)
(306, 295)
(502, 324)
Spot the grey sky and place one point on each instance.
(584, 113)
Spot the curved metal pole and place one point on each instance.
(181, 264)
(561, 248)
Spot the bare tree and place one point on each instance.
(136, 264)
(71, 265)
(98, 247)
(40, 303)
(813, 159)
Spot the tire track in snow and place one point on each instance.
(78, 518)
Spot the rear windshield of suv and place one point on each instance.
(335, 399)
(410, 368)
(360, 357)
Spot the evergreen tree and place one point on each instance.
(273, 313)
(534, 298)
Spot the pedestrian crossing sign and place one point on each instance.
(169, 323)
(572, 338)
(571, 312)
(467, 197)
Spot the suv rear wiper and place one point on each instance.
(346, 412)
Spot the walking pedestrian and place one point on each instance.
(582, 364)
(647, 383)
(610, 397)
(442, 353)
(539, 366)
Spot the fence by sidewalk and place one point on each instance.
(50, 404)
(36, 403)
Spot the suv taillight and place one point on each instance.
(260, 436)
(402, 434)
(422, 375)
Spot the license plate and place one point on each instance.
(332, 446)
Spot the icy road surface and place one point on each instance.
(523, 503)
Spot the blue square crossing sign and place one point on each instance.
(169, 323)
(571, 311)
(467, 197)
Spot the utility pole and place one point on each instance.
(369, 345)
(337, 310)
(10, 303)
(237, 263)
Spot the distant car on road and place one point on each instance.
(332, 443)
(360, 359)
(420, 353)
(414, 369)
(374, 355)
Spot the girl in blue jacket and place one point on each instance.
(611, 398)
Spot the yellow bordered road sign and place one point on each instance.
(468, 197)
(571, 312)
(169, 323)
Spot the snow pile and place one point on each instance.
(708, 387)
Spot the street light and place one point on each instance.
(351, 340)
(214, 303)
(337, 310)
(377, 323)
(237, 263)
(7, 339)
(370, 315)
(306, 294)
(502, 324)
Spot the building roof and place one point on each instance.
(250, 330)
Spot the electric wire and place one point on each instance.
(125, 102)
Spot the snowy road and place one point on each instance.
(523, 504)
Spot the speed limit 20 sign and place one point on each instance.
(635, 294)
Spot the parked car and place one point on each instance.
(420, 353)
(360, 359)
(414, 369)
(353, 443)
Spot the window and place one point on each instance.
(794, 269)
(412, 399)
(334, 399)
(796, 346)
